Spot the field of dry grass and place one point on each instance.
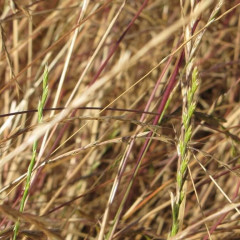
(120, 119)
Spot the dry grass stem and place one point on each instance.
(139, 135)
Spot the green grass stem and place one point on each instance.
(34, 151)
(183, 150)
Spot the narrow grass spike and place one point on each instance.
(41, 105)
(189, 107)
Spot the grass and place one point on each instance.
(137, 132)
(34, 151)
(189, 106)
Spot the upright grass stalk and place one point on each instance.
(34, 151)
(189, 106)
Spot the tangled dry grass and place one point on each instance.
(120, 154)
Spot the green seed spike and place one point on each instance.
(34, 151)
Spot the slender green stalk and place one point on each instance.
(188, 110)
(34, 153)
(189, 106)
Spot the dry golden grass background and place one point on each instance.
(111, 54)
